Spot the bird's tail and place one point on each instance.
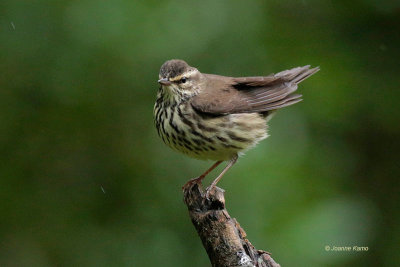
(297, 75)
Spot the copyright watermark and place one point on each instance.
(346, 248)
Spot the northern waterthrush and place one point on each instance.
(208, 116)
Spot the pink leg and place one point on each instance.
(201, 177)
(214, 183)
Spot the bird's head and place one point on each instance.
(178, 78)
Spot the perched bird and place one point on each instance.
(207, 116)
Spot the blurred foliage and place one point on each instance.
(85, 181)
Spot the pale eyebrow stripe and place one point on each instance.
(177, 78)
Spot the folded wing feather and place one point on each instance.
(251, 94)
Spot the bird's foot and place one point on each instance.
(208, 191)
(191, 182)
(214, 194)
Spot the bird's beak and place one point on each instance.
(164, 81)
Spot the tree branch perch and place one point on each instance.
(223, 238)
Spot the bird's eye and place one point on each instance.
(183, 80)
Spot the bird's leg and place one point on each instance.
(201, 177)
(214, 183)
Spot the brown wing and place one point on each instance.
(223, 95)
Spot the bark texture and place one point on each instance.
(223, 238)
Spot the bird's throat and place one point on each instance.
(173, 94)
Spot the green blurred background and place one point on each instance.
(85, 180)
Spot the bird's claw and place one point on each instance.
(191, 182)
(208, 192)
